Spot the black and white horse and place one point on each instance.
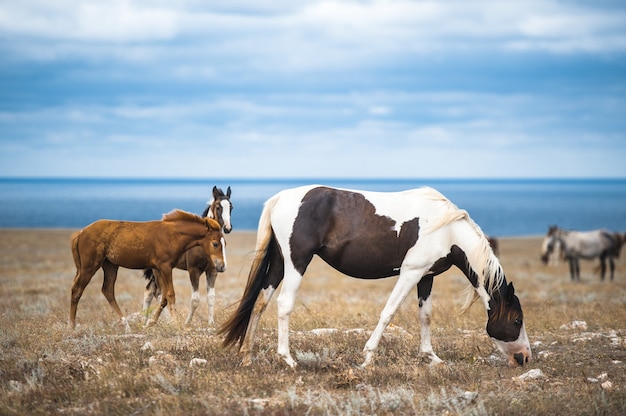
(416, 234)
(196, 262)
(573, 245)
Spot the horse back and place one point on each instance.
(353, 231)
(128, 244)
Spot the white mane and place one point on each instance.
(479, 253)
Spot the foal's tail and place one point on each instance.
(235, 328)
(152, 285)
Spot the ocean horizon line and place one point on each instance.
(309, 179)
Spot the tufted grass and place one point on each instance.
(99, 369)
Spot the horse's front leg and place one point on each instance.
(612, 266)
(602, 267)
(424, 288)
(211, 276)
(572, 269)
(194, 279)
(409, 277)
(168, 297)
(151, 292)
(108, 290)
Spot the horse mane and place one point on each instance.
(180, 215)
(486, 265)
(481, 256)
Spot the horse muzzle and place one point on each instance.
(521, 359)
(220, 266)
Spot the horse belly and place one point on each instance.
(365, 261)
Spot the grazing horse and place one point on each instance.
(583, 244)
(416, 234)
(158, 245)
(195, 260)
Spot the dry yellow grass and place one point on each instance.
(98, 369)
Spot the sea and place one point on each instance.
(502, 207)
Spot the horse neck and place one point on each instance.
(189, 233)
(208, 211)
(484, 272)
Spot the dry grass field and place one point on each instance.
(577, 331)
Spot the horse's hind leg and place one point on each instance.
(81, 280)
(194, 278)
(108, 290)
(285, 301)
(612, 266)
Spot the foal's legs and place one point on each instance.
(168, 297)
(108, 290)
(211, 277)
(83, 276)
(194, 278)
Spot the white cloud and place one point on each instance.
(310, 35)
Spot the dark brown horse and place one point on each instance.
(196, 262)
(157, 245)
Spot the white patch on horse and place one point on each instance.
(225, 203)
(223, 241)
(210, 212)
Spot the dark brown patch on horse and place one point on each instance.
(342, 227)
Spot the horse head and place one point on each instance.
(505, 325)
(550, 243)
(220, 209)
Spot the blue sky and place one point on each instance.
(410, 89)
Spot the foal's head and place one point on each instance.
(220, 209)
(213, 244)
(505, 325)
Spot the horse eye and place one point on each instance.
(518, 322)
(216, 245)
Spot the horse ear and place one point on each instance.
(510, 292)
(212, 224)
(228, 192)
(216, 192)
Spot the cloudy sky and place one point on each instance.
(411, 89)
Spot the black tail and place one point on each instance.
(235, 328)
(148, 274)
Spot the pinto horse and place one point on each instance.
(583, 244)
(196, 262)
(416, 234)
(158, 245)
